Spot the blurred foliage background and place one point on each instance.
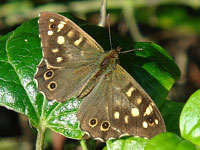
(173, 24)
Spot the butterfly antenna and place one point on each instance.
(131, 50)
(110, 39)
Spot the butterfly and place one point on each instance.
(75, 65)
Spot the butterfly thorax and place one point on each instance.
(109, 60)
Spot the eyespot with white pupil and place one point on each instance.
(52, 26)
(93, 122)
(150, 120)
(52, 86)
(105, 126)
(48, 75)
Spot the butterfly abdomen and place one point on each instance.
(106, 63)
(91, 84)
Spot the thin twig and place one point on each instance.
(128, 12)
(102, 21)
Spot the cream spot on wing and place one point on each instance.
(145, 124)
(135, 112)
(139, 100)
(129, 92)
(69, 56)
(152, 104)
(61, 40)
(55, 50)
(59, 59)
(156, 121)
(77, 42)
(60, 26)
(50, 32)
(25, 40)
(51, 20)
(106, 108)
(62, 22)
(148, 111)
(116, 115)
(38, 21)
(126, 119)
(70, 33)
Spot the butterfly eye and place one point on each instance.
(93, 122)
(116, 55)
(105, 126)
(52, 26)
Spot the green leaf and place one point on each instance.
(127, 143)
(190, 119)
(20, 53)
(169, 141)
(171, 111)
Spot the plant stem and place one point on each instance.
(83, 144)
(40, 138)
(103, 13)
(130, 20)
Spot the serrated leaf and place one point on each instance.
(127, 143)
(190, 119)
(169, 141)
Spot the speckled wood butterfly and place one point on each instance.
(75, 65)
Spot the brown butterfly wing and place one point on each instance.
(94, 112)
(119, 101)
(70, 57)
(132, 111)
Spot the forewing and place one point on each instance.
(70, 57)
(63, 41)
(131, 110)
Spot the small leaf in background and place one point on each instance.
(127, 143)
(190, 119)
(169, 141)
